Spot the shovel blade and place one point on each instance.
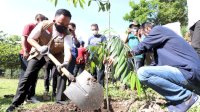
(86, 93)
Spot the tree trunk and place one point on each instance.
(11, 73)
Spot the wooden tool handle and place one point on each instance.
(63, 69)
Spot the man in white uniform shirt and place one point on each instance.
(48, 36)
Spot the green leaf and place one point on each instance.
(114, 45)
(81, 2)
(109, 43)
(138, 86)
(121, 68)
(125, 80)
(120, 47)
(102, 6)
(100, 9)
(89, 3)
(124, 74)
(55, 2)
(75, 3)
(108, 6)
(133, 81)
(92, 66)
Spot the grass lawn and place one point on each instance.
(9, 86)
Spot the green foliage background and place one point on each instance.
(9, 54)
(158, 11)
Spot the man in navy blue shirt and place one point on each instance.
(95, 39)
(176, 70)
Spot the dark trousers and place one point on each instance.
(78, 69)
(138, 62)
(99, 75)
(61, 81)
(50, 73)
(24, 64)
(30, 76)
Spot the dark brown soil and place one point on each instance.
(115, 106)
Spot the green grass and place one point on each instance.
(9, 86)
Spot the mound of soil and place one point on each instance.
(115, 106)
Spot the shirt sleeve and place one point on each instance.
(76, 44)
(154, 39)
(68, 42)
(103, 39)
(89, 40)
(26, 31)
(35, 34)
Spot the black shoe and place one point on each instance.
(54, 94)
(11, 108)
(32, 100)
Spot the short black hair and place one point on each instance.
(46, 18)
(63, 12)
(73, 25)
(95, 25)
(82, 43)
(40, 17)
(147, 24)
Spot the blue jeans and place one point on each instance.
(166, 80)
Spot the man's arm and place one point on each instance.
(67, 49)
(125, 39)
(89, 40)
(76, 42)
(103, 38)
(24, 47)
(154, 39)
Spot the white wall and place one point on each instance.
(193, 11)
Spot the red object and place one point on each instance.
(26, 32)
(81, 55)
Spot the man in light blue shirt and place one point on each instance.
(133, 40)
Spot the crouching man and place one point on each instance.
(176, 72)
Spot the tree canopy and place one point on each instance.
(9, 50)
(158, 11)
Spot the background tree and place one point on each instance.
(9, 51)
(158, 11)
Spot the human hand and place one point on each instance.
(64, 64)
(25, 55)
(109, 61)
(71, 78)
(129, 54)
(43, 50)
